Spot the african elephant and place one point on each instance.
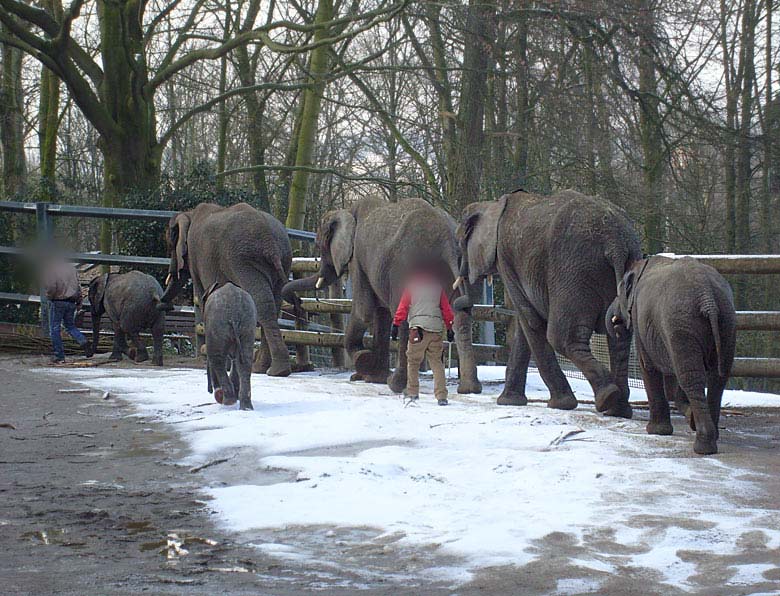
(682, 313)
(230, 319)
(380, 243)
(238, 244)
(130, 299)
(560, 258)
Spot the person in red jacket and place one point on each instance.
(425, 305)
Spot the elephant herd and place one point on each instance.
(571, 266)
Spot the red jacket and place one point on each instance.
(402, 312)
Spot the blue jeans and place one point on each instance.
(62, 311)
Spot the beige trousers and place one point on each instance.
(432, 347)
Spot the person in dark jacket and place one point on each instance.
(61, 285)
(425, 305)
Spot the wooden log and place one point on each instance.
(766, 368)
(305, 265)
(737, 264)
(758, 320)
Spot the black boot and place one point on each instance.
(88, 353)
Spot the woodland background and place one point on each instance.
(669, 108)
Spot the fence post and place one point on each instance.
(44, 235)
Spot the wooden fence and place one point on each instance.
(726, 264)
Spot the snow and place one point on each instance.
(482, 484)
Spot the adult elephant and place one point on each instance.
(380, 243)
(241, 245)
(560, 258)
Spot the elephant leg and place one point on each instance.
(561, 395)
(660, 422)
(467, 363)
(267, 315)
(353, 344)
(375, 366)
(572, 339)
(397, 381)
(516, 371)
(262, 359)
(242, 365)
(120, 344)
(691, 380)
(675, 394)
(141, 353)
(158, 330)
(224, 392)
(715, 387)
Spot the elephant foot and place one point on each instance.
(397, 382)
(562, 402)
(302, 367)
(704, 446)
(246, 405)
(607, 397)
(620, 410)
(279, 369)
(261, 361)
(512, 398)
(469, 386)
(364, 362)
(158, 361)
(141, 356)
(229, 401)
(115, 357)
(356, 377)
(659, 428)
(378, 377)
(219, 395)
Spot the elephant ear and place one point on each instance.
(180, 227)
(340, 239)
(480, 231)
(97, 291)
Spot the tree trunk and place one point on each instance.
(307, 136)
(12, 124)
(48, 118)
(650, 128)
(465, 176)
(730, 134)
(130, 151)
(744, 153)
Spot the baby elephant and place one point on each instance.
(230, 318)
(130, 299)
(682, 312)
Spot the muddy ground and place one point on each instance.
(93, 500)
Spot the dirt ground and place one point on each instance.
(93, 500)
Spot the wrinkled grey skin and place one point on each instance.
(560, 258)
(130, 300)
(380, 243)
(682, 314)
(241, 245)
(230, 319)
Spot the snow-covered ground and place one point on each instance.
(479, 482)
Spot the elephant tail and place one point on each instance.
(277, 264)
(711, 312)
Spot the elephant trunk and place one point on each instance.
(463, 303)
(173, 286)
(292, 288)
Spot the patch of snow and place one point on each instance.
(487, 485)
